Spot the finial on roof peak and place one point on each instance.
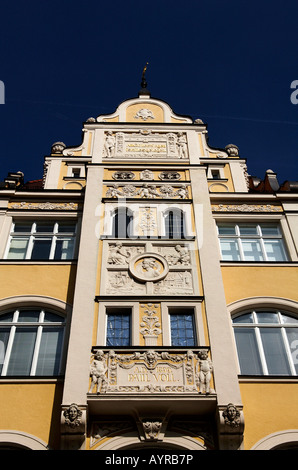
(144, 90)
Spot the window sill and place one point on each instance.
(31, 379)
(268, 378)
(29, 261)
(259, 263)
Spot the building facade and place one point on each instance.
(148, 293)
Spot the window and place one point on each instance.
(182, 327)
(267, 342)
(42, 240)
(122, 223)
(251, 242)
(31, 343)
(76, 172)
(174, 224)
(215, 174)
(118, 327)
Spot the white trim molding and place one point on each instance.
(21, 439)
(260, 302)
(39, 300)
(281, 438)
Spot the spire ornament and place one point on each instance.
(144, 90)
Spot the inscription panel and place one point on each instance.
(145, 144)
(151, 371)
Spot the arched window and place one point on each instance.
(267, 342)
(122, 223)
(174, 224)
(31, 342)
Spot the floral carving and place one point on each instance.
(147, 191)
(144, 114)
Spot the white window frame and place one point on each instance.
(33, 235)
(220, 170)
(14, 324)
(238, 237)
(256, 326)
(102, 321)
(197, 316)
(186, 213)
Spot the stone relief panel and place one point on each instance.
(169, 176)
(145, 144)
(148, 268)
(152, 371)
(147, 191)
(150, 325)
(246, 208)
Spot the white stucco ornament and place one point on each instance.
(148, 267)
(144, 114)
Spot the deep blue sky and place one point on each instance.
(230, 63)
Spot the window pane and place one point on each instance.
(269, 230)
(118, 330)
(29, 316)
(252, 250)
(20, 227)
(66, 227)
(122, 224)
(52, 317)
(6, 317)
(226, 229)
(182, 330)
(275, 353)
(248, 229)
(248, 354)
(50, 351)
(229, 250)
(47, 227)
(267, 317)
(174, 224)
(41, 249)
(22, 351)
(288, 319)
(275, 250)
(18, 248)
(4, 336)
(246, 318)
(292, 334)
(64, 249)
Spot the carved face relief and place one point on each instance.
(149, 267)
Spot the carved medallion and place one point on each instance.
(149, 267)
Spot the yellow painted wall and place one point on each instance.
(268, 408)
(32, 408)
(38, 279)
(241, 282)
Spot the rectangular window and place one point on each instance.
(182, 327)
(42, 240)
(251, 242)
(118, 332)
